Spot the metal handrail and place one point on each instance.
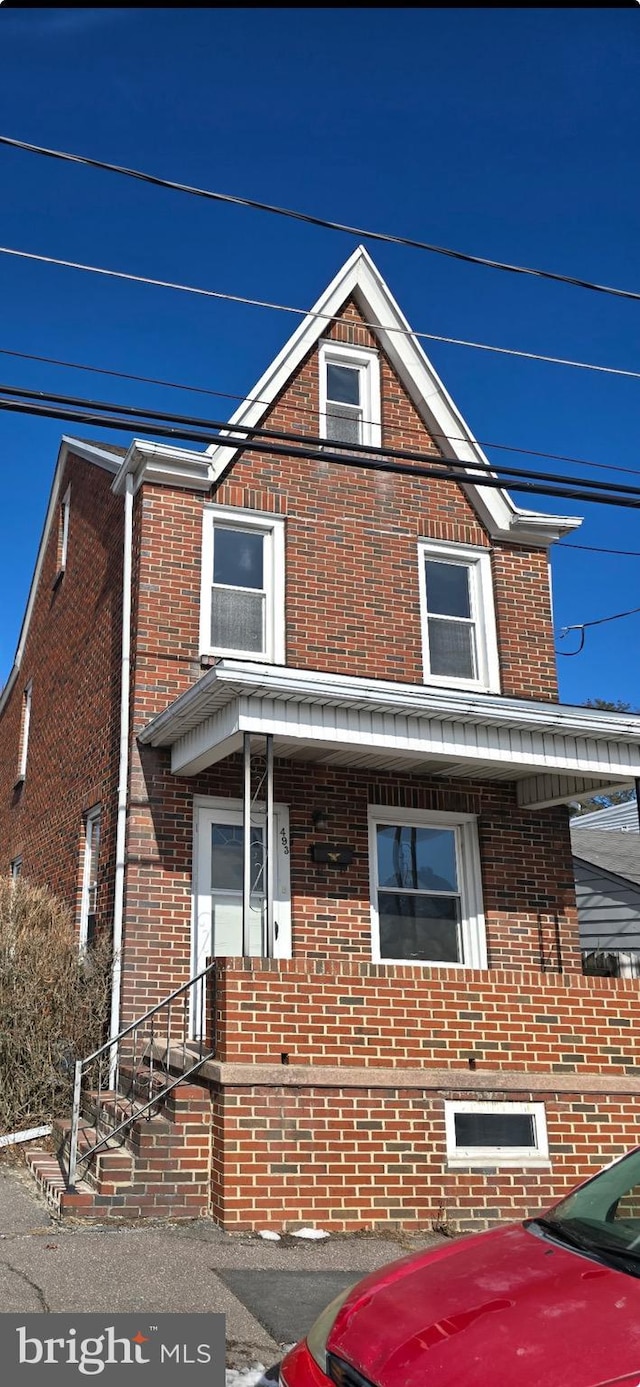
(194, 988)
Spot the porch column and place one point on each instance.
(246, 858)
(269, 859)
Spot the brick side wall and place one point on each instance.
(347, 1013)
(72, 655)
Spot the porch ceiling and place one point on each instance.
(554, 752)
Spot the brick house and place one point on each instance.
(297, 724)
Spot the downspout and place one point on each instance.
(123, 773)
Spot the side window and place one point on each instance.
(242, 595)
(89, 901)
(63, 532)
(25, 727)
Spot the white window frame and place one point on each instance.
(472, 927)
(482, 1156)
(478, 562)
(16, 868)
(65, 510)
(91, 819)
(25, 726)
(367, 363)
(272, 527)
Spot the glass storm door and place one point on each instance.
(219, 880)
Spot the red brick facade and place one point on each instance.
(321, 1148)
(72, 660)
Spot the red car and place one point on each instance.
(551, 1302)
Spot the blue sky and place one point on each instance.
(512, 134)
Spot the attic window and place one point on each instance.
(349, 395)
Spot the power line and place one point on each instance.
(311, 220)
(306, 313)
(597, 549)
(440, 470)
(583, 626)
(308, 409)
(219, 432)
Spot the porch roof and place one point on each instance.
(554, 752)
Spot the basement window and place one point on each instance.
(496, 1134)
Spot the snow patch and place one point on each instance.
(313, 1233)
(269, 1236)
(246, 1377)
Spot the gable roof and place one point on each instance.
(361, 280)
(610, 850)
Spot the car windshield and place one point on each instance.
(603, 1216)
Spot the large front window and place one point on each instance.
(242, 598)
(426, 899)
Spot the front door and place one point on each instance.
(218, 862)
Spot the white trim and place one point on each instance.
(163, 464)
(367, 363)
(15, 868)
(25, 728)
(360, 279)
(478, 562)
(91, 820)
(273, 528)
(503, 1156)
(472, 929)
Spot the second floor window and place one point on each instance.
(458, 619)
(242, 602)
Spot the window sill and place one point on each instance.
(473, 685)
(263, 658)
(498, 1162)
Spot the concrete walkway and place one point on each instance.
(269, 1292)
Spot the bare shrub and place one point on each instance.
(53, 1004)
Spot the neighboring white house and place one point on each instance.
(606, 864)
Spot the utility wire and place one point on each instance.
(596, 549)
(309, 409)
(306, 313)
(312, 220)
(583, 626)
(224, 436)
(440, 470)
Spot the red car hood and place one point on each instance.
(500, 1309)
